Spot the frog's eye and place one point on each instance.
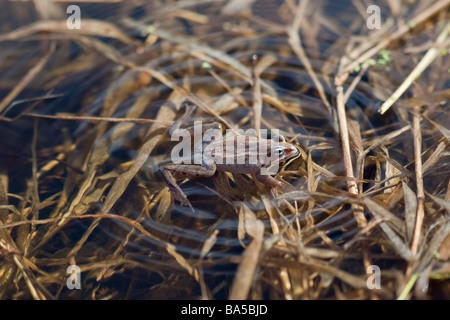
(278, 150)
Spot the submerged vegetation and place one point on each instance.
(85, 116)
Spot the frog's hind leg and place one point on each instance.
(268, 180)
(186, 169)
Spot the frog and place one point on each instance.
(250, 155)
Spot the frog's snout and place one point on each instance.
(293, 152)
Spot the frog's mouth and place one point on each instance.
(291, 153)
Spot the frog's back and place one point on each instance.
(239, 168)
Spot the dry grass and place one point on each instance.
(84, 120)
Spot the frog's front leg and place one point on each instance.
(267, 179)
(206, 171)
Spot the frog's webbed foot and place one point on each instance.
(271, 182)
(186, 169)
(181, 197)
(178, 194)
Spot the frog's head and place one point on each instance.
(282, 152)
(278, 152)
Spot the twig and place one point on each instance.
(438, 6)
(68, 116)
(294, 41)
(427, 59)
(351, 183)
(27, 78)
(419, 183)
(408, 287)
(257, 99)
(244, 275)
